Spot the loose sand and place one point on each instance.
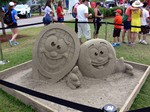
(115, 89)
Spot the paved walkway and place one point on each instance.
(35, 20)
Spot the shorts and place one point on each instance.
(116, 32)
(144, 30)
(61, 19)
(14, 25)
(84, 28)
(127, 25)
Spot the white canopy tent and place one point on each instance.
(71, 4)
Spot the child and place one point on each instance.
(117, 28)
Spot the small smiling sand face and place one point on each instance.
(56, 52)
(97, 58)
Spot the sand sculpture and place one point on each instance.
(56, 56)
(97, 59)
(55, 53)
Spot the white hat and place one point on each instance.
(137, 3)
(11, 3)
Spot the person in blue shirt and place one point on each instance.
(13, 26)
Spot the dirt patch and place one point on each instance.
(5, 38)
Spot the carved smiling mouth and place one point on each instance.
(100, 65)
(55, 62)
(53, 58)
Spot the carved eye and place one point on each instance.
(103, 51)
(61, 46)
(93, 53)
(96, 53)
(53, 44)
(58, 47)
(50, 43)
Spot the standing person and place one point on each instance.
(136, 13)
(13, 26)
(144, 24)
(97, 19)
(117, 28)
(54, 9)
(82, 13)
(48, 10)
(127, 25)
(60, 12)
(75, 11)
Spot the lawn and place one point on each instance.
(23, 52)
(9, 103)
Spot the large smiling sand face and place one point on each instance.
(56, 52)
(97, 58)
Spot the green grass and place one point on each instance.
(23, 52)
(11, 104)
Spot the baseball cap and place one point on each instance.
(11, 3)
(119, 11)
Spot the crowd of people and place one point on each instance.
(137, 15)
(56, 13)
(81, 9)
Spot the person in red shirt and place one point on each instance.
(117, 28)
(60, 12)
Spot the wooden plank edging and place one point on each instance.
(136, 90)
(28, 100)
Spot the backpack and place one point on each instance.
(47, 19)
(124, 18)
(8, 18)
(74, 14)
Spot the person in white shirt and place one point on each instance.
(82, 13)
(144, 24)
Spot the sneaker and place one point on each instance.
(129, 44)
(118, 44)
(16, 43)
(114, 44)
(140, 41)
(10, 42)
(124, 42)
(144, 42)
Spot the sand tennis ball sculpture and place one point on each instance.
(55, 53)
(97, 59)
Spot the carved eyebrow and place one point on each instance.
(103, 43)
(91, 45)
(66, 41)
